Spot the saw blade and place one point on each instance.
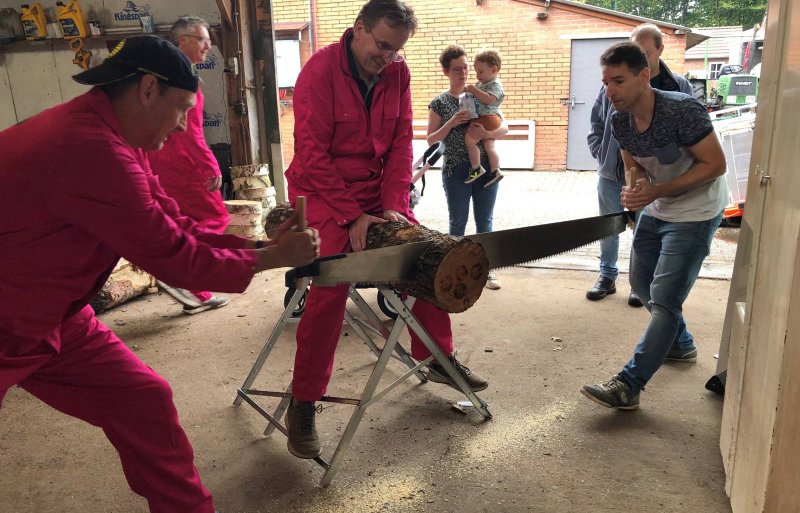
(518, 245)
(382, 265)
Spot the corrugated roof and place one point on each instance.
(719, 42)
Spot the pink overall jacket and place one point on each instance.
(349, 161)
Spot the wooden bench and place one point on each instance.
(516, 148)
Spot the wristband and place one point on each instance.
(259, 244)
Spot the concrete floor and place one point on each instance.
(547, 449)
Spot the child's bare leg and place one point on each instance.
(491, 154)
(474, 152)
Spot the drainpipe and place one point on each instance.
(312, 24)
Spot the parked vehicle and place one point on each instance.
(737, 90)
(734, 128)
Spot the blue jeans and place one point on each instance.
(458, 196)
(608, 192)
(665, 261)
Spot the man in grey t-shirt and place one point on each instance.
(682, 192)
(603, 146)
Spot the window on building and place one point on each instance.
(713, 70)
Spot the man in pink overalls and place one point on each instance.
(353, 131)
(187, 169)
(76, 192)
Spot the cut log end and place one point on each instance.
(460, 276)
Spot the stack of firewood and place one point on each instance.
(245, 218)
(251, 182)
(126, 282)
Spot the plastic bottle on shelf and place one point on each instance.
(72, 19)
(33, 20)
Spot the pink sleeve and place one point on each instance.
(118, 204)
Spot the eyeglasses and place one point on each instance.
(459, 69)
(203, 40)
(387, 50)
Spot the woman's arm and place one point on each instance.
(479, 133)
(437, 131)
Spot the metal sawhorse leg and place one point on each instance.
(391, 348)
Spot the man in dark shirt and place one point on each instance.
(669, 136)
(603, 146)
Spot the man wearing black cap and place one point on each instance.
(89, 197)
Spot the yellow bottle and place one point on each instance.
(33, 21)
(72, 19)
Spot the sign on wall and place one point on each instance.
(215, 111)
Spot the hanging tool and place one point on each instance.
(82, 56)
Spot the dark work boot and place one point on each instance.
(303, 440)
(601, 289)
(634, 300)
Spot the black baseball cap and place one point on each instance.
(143, 54)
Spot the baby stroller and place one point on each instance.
(420, 167)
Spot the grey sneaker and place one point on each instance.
(682, 355)
(303, 440)
(212, 303)
(474, 174)
(437, 374)
(614, 393)
(182, 296)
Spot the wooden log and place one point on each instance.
(244, 213)
(125, 283)
(253, 194)
(451, 272)
(244, 207)
(249, 170)
(277, 215)
(251, 182)
(248, 232)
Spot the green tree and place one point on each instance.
(691, 13)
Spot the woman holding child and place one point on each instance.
(449, 122)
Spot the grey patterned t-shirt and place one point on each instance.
(495, 88)
(679, 122)
(455, 151)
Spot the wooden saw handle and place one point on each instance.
(631, 176)
(300, 213)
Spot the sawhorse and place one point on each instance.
(369, 395)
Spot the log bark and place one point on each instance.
(451, 273)
(249, 183)
(249, 170)
(126, 282)
(276, 216)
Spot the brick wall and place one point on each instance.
(290, 10)
(536, 58)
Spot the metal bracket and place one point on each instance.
(763, 177)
